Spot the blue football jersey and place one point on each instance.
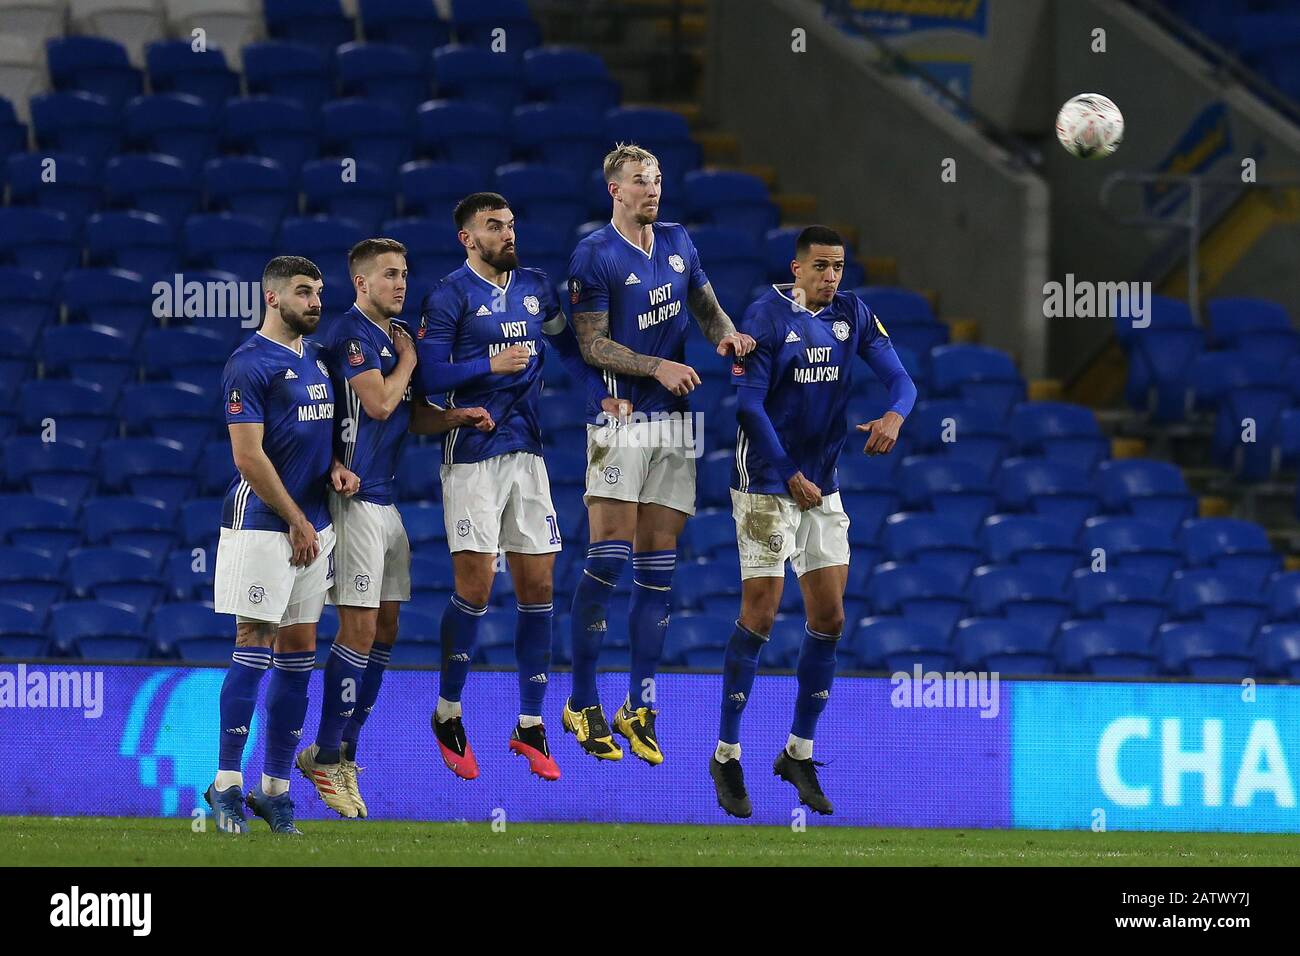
(466, 320)
(292, 396)
(354, 344)
(803, 363)
(645, 295)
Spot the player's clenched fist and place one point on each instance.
(806, 495)
(403, 345)
(476, 417)
(511, 360)
(677, 378)
(737, 343)
(344, 481)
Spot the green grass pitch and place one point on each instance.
(97, 841)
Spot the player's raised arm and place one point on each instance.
(379, 395)
(715, 323)
(257, 469)
(598, 349)
(437, 372)
(876, 349)
(559, 335)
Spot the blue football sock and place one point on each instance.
(588, 622)
(533, 652)
(238, 701)
(652, 581)
(459, 629)
(738, 669)
(815, 671)
(371, 681)
(286, 706)
(344, 670)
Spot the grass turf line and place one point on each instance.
(126, 841)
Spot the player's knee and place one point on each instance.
(758, 620)
(832, 624)
(254, 634)
(539, 592)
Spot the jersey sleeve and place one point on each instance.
(436, 374)
(756, 369)
(877, 350)
(354, 355)
(588, 287)
(697, 279)
(244, 384)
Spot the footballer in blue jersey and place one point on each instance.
(484, 333)
(634, 286)
(275, 557)
(371, 359)
(793, 390)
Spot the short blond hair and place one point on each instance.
(626, 153)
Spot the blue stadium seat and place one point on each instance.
(1032, 542)
(412, 653)
(316, 23)
(415, 25)
(22, 636)
(25, 311)
(542, 194)
(1018, 594)
(81, 123)
(570, 77)
(199, 634)
(1104, 649)
(978, 373)
(62, 469)
(962, 430)
(1219, 598)
(1165, 313)
(141, 523)
(274, 127)
(732, 200)
(469, 133)
(13, 134)
(79, 410)
(140, 242)
(1058, 431)
(1231, 545)
(175, 67)
(44, 240)
(431, 244)
(93, 65)
(709, 588)
(250, 186)
(294, 72)
(216, 467)
(172, 123)
(477, 22)
(74, 190)
(424, 524)
(92, 353)
(1158, 368)
(930, 539)
(697, 640)
(1241, 387)
(163, 350)
(159, 184)
(99, 630)
(114, 298)
(149, 468)
(417, 472)
(495, 642)
(661, 131)
(1002, 646)
(380, 73)
(476, 75)
(37, 521)
(710, 533)
(950, 487)
(1203, 650)
(918, 592)
(189, 576)
(1123, 598)
(1132, 544)
(1277, 650)
(907, 316)
(125, 575)
(559, 135)
(176, 410)
(367, 200)
(1235, 322)
(432, 189)
(30, 577)
(897, 644)
(1151, 490)
(238, 244)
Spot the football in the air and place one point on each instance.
(1090, 126)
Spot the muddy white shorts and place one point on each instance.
(770, 530)
(372, 556)
(253, 578)
(500, 504)
(646, 462)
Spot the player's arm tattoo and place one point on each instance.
(708, 312)
(598, 349)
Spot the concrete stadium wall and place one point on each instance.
(870, 147)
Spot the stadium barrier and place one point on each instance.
(142, 741)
